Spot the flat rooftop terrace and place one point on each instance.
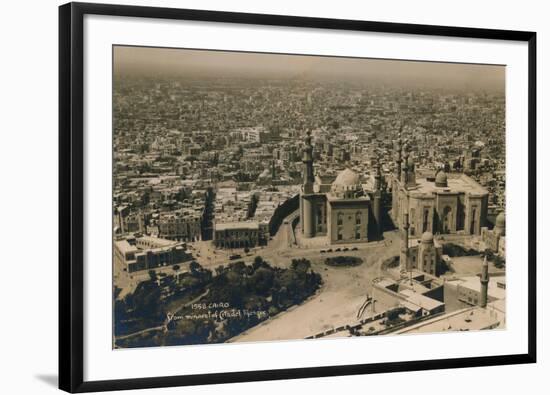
(456, 183)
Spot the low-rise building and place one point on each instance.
(145, 253)
(468, 289)
(240, 234)
(181, 225)
(421, 294)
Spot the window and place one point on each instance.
(358, 216)
(357, 234)
(340, 219)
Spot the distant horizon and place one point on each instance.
(155, 62)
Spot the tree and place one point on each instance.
(194, 267)
(258, 262)
(499, 262)
(300, 265)
(146, 301)
(153, 275)
(262, 280)
(238, 267)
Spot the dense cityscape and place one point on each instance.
(250, 209)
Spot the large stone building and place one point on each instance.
(441, 203)
(343, 210)
(240, 234)
(422, 254)
(145, 253)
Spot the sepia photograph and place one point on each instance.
(268, 197)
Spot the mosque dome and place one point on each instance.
(346, 185)
(346, 178)
(427, 238)
(441, 179)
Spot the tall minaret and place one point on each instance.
(377, 175)
(484, 280)
(395, 187)
(376, 205)
(307, 158)
(398, 158)
(404, 256)
(405, 168)
(306, 203)
(411, 172)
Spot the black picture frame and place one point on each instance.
(71, 198)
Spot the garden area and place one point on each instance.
(202, 306)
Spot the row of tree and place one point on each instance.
(245, 289)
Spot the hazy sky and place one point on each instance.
(154, 61)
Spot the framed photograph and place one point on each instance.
(251, 197)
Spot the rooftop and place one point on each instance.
(472, 318)
(494, 289)
(125, 247)
(456, 183)
(420, 300)
(250, 225)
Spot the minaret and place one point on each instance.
(395, 187)
(377, 176)
(306, 203)
(484, 280)
(404, 257)
(405, 168)
(398, 159)
(376, 206)
(411, 173)
(307, 158)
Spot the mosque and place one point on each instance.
(442, 203)
(345, 210)
(424, 205)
